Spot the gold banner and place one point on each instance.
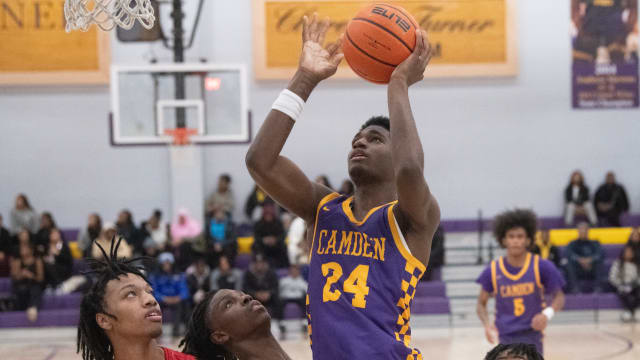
(470, 37)
(35, 48)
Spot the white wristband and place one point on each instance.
(289, 103)
(548, 312)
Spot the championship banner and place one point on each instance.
(470, 37)
(605, 53)
(36, 49)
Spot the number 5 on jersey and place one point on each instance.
(356, 284)
(518, 306)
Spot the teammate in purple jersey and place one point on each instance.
(369, 250)
(519, 282)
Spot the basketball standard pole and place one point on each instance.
(178, 57)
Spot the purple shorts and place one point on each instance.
(526, 337)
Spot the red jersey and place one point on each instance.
(175, 355)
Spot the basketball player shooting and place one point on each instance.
(368, 251)
(519, 282)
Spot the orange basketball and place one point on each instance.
(377, 39)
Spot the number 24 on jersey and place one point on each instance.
(356, 283)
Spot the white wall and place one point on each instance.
(489, 143)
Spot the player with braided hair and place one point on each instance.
(119, 317)
(517, 351)
(230, 325)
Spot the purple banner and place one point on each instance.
(605, 54)
(605, 86)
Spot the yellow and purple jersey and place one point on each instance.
(519, 292)
(362, 280)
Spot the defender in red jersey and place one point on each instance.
(368, 250)
(119, 317)
(231, 325)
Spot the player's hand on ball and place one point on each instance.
(412, 69)
(539, 322)
(491, 332)
(316, 61)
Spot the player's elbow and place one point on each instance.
(252, 160)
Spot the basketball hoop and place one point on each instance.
(181, 135)
(108, 14)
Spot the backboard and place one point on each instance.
(146, 100)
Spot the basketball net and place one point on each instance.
(181, 135)
(108, 14)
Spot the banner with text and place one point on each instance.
(605, 53)
(35, 48)
(470, 37)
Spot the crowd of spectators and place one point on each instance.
(186, 258)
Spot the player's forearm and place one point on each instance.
(483, 314)
(407, 152)
(302, 84)
(266, 147)
(558, 301)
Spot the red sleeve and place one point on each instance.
(175, 355)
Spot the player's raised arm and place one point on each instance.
(276, 174)
(419, 211)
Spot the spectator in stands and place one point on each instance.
(222, 198)
(323, 180)
(198, 280)
(46, 225)
(24, 236)
(226, 277)
(611, 201)
(154, 232)
(27, 274)
(577, 200)
(220, 238)
(184, 227)
(23, 216)
(261, 282)
(585, 261)
(185, 231)
(292, 289)
(546, 249)
(171, 291)
(347, 188)
(5, 250)
(516, 351)
(269, 238)
(127, 229)
(255, 202)
(634, 242)
(58, 262)
(436, 258)
(89, 234)
(623, 275)
(108, 235)
(150, 257)
(297, 246)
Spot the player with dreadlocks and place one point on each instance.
(230, 325)
(119, 317)
(514, 352)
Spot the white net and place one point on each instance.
(108, 14)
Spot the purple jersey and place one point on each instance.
(362, 279)
(519, 292)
